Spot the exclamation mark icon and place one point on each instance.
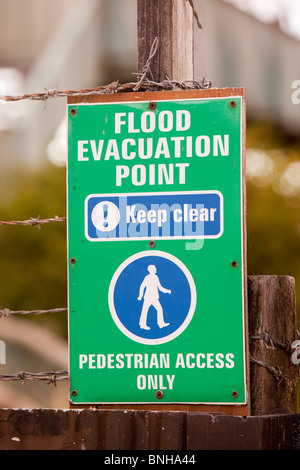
(105, 216)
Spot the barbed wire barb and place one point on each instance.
(7, 312)
(49, 377)
(270, 342)
(34, 221)
(146, 69)
(277, 373)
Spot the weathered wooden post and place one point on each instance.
(272, 330)
(180, 27)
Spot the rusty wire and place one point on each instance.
(6, 312)
(115, 87)
(36, 222)
(49, 377)
(275, 371)
(143, 84)
(271, 342)
(146, 69)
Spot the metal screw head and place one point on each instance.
(159, 394)
(152, 105)
(234, 394)
(152, 244)
(73, 260)
(74, 393)
(232, 104)
(73, 112)
(234, 264)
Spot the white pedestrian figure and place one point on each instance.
(152, 286)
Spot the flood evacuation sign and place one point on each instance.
(156, 249)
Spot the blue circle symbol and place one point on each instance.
(152, 297)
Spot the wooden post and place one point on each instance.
(272, 330)
(176, 23)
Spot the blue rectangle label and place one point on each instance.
(184, 215)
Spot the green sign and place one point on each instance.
(155, 251)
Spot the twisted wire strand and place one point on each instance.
(33, 221)
(49, 377)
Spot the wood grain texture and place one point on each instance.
(272, 311)
(48, 429)
(181, 54)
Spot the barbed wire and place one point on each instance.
(146, 69)
(277, 373)
(143, 84)
(115, 87)
(37, 222)
(271, 342)
(6, 312)
(50, 377)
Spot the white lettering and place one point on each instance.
(96, 152)
(82, 360)
(81, 150)
(229, 358)
(148, 122)
(219, 145)
(131, 128)
(162, 173)
(202, 150)
(122, 171)
(125, 154)
(162, 148)
(296, 94)
(181, 116)
(112, 150)
(165, 125)
(138, 175)
(119, 122)
(201, 360)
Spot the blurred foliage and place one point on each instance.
(273, 204)
(33, 261)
